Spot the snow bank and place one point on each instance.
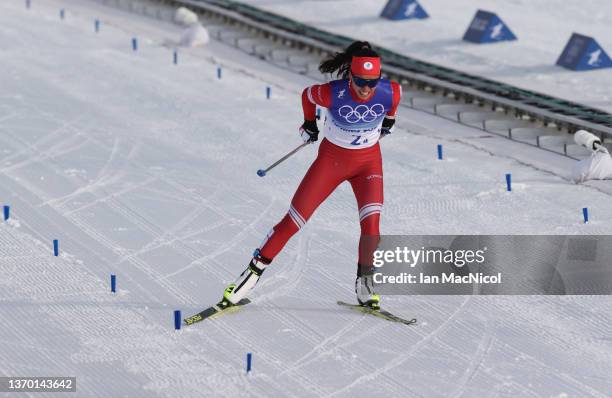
(194, 36)
(185, 17)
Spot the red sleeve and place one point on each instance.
(397, 96)
(319, 94)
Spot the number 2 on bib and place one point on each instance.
(358, 140)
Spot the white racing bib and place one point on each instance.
(356, 125)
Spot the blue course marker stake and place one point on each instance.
(113, 283)
(134, 44)
(218, 72)
(55, 247)
(177, 319)
(97, 25)
(439, 151)
(268, 92)
(62, 13)
(175, 57)
(508, 182)
(7, 212)
(585, 214)
(318, 113)
(249, 361)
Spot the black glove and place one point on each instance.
(387, 124)
(309, 131)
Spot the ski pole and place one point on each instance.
(262, 172)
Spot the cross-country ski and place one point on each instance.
(381, 313)
(222, 307)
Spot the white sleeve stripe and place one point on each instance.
(309, 93)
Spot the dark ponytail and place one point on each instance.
(340, 63)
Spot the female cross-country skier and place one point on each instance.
(361, 109)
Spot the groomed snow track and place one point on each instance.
(146, 169)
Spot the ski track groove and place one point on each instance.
(60, 148)
(555, 340)
(337, 335)
(401, 359)
(213, 345)
(317, 343)
(177, 241)
(293, 321)
(483, 349)
(41, 217)
(102, 179)
(319, 347)
(271, 358)
(561, 375)
(88, 326)
(137, 263)
(246, 229)
(128, 213)
(32, 148)
(107, 196)
(469, 360)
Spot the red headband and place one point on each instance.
(365, 66)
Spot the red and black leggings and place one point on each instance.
(362, 168)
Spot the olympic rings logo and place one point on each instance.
(361, 113)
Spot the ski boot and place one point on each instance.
(239, 289)
(364, 289)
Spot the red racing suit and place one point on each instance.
(349, 152)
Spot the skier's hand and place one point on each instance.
(387, 126)
(309, 131)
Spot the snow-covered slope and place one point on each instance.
(543, 28)
(146, 169)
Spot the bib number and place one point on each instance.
(359, 140)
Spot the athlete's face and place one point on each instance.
(363, 91)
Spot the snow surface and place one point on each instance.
(543, 28)
(146, 169)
